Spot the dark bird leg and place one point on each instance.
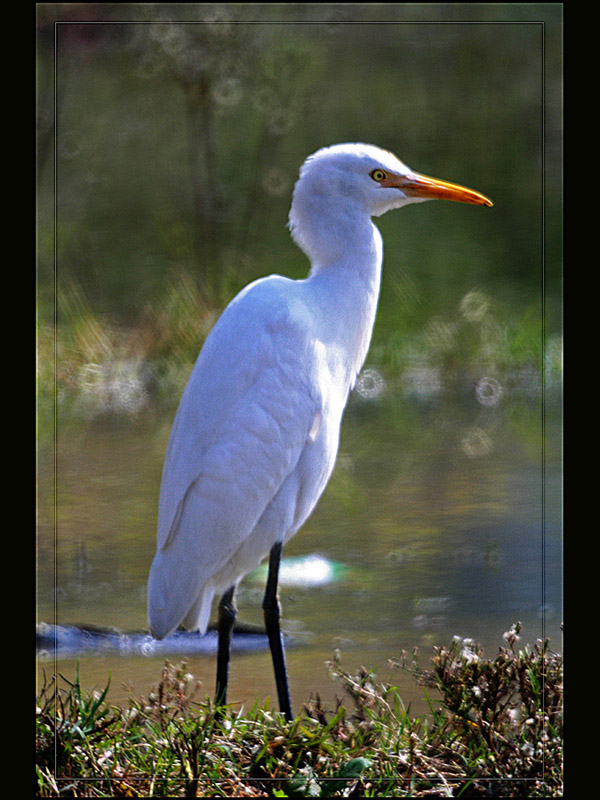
(227, 614)
(272, 611)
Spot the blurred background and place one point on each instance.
(169, 141)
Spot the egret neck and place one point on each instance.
(345, 290)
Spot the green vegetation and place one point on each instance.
(79, 358)
(168, 151)
(494, 729)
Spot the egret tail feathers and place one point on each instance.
(177, 597)
(199, 614)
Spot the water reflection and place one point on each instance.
(303, 571)
(74, 641)
(433, 527)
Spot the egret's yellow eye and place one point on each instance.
(378, 175)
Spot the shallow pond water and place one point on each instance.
(442, 519)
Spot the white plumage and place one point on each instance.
(256, 434)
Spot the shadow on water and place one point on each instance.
(73, 641)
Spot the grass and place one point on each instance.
(494, 729)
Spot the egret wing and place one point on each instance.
(245, 417)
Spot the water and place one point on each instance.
(442, 518)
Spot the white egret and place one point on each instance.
(256, 434)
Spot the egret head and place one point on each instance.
(375, 179)
(343, 184)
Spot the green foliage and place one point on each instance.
(178, 142)
(497, 732)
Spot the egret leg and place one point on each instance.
(272, 612)
(227, 615)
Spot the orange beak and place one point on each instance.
(416, 185)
